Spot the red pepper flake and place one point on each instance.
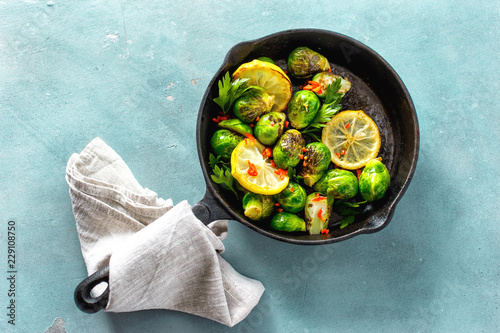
(267, 152)
(330, 70)
(220, 118)
(358, 173)
(252, 125)
(286, 71)
(304, 164)
(338, 155)
(286, 124)
(301, 156)
(252, 170)
(347, 126)
(318, 198)
(257, 119)
(277, 204)
(250, 138)
(281, 173)
(292, 189)
(272, 123)
(325, 231)
(279, 210)
(320, 213)
(342, 152)
(312, 85)
(317, 194)
(304, 150)
(273, 164)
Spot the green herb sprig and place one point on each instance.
(330, 107)
(229, 91)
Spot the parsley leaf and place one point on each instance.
(346, 221)
(330, 107)
(214, 160)
(229, 91)
(223, 176)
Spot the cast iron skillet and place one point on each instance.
(376, 89)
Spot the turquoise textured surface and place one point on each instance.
(134, 73)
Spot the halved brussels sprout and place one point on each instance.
(287, 151)
(237, 126)
(270, 127)
(292, 198)
(302, 108)
(252, 105)
(339, 183)
(304, 62)
(374, 181)
(288, 222)
(224, 141)
(317, 158)
(326, 78)
(257, 206)
(317, 213)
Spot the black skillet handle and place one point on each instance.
(84, 300)
(207, 210)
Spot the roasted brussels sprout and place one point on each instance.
(266, 59)
(327, 78)
(374, 181)
(257, 206)
(252, 105)
(341, 184)
(317, 157)
(292, 198)
(270, 127)
(317, 213)
(304, 62)
(287, 222)
(237, 126)
(287, 151)
(302, 108)
(224, 141)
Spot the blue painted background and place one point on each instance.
(134, 73)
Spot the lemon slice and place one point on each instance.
(255, 171)
(270, 77)
(353, 139)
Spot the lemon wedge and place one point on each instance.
(254, 170)
(353, 139)
(268, 76)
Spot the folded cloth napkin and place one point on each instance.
(160, 256)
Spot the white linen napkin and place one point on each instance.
(160, 256)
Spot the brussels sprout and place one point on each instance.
(304, 62)
(252, 105)
(270, 127)
(302, 108)
(257, 206)
(292, 198)
(342, 184)
(316, 160)
(374, 180)
(327, 78)
(317, 213)
(287, 222)
(287, 151)
(237, 126)
(266, 59)
(224, 141)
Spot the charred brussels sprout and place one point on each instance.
(224, 141)
(288, 222)
(266, 59)
(270, 127)
(342, 184)
(317, 213)
(327, 78)
(252, 105)
(237, 126)
(304, 62)
(316, 160)
(287, 151)
(302, 108)
(374, 181)
(257, 206)
(292, 198)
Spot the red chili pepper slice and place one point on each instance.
(252, 170)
